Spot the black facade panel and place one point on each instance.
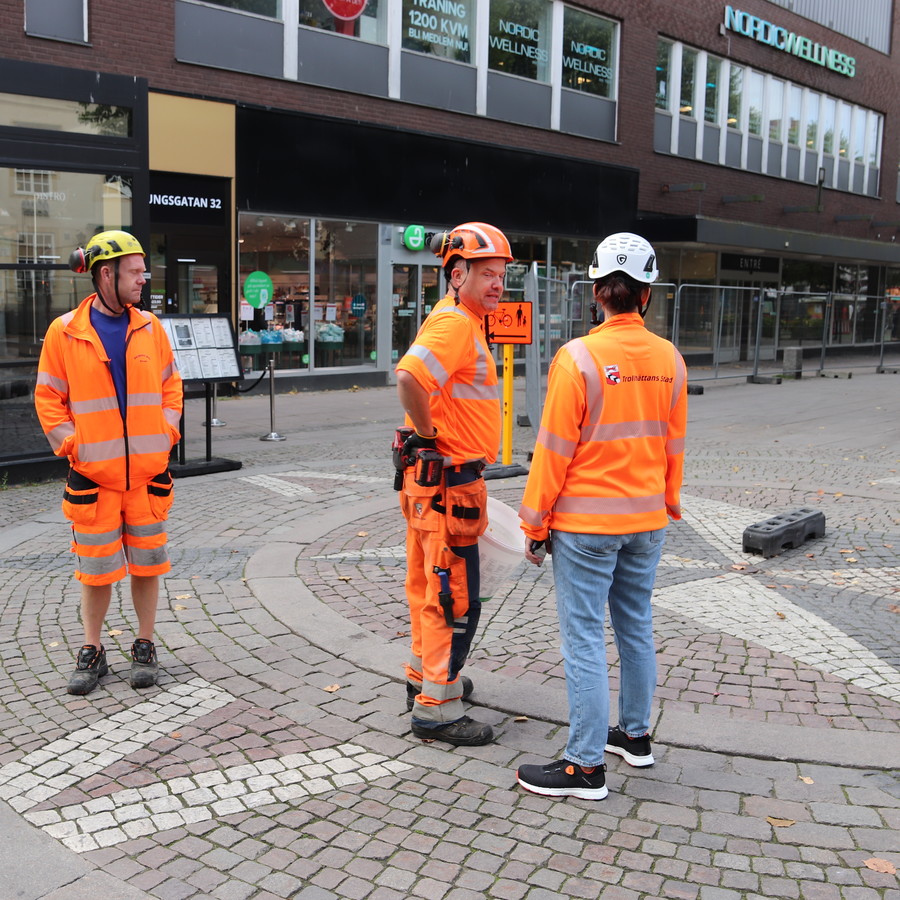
(61, 20)
(228, 40)
(304, 164)
(432, 81)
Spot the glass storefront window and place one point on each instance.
(364, 19)
(688, 75)
(519, 39)
(795, 98)
(775, 109)
(70, 116)
(588, 61)
(829, 109)
(663, 65)
(345, 303)
(874, 140)
(755, 86)
(859, 138)
(45, 215)
(735, 92)
(844, 131)
(445, 30)
(812, 122)
(713, 74)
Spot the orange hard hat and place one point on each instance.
(471, 240)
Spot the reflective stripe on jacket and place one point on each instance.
(76, 399)
(450, 358)
(609, 456)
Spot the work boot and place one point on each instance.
(413, 691)
(464, 732)
(144, 665)
(90, 664)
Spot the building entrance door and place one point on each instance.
(414, 291)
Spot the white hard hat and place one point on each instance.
(625, 252)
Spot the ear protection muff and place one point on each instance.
(441, 242)
(80, 260)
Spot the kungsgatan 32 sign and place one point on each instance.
(788, 41)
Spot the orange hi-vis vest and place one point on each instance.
(609, 456)
(76, 399)
(451, 359)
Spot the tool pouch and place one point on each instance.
(465, 506)
(79, 503)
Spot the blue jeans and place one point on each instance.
(591, 570)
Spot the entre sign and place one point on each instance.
(788, 41)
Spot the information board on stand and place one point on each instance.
(206, 351)
(205, 347)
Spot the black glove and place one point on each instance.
(416, 442)
(536, 547)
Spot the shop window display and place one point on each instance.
(332, 325)
(364, 19)
(519, 39)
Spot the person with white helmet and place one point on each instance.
(605, 478)
(109, 398)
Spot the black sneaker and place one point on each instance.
(564, 779)
(464, 732)
(413, 691)
(144, 665)
(635, 751)
(90, 664)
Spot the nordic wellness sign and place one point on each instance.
(789, 42)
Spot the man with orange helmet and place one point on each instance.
(447, 383)
(109, 398)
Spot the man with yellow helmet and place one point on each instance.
(109, 398)
(447, 383)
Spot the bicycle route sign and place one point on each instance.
(510, 323)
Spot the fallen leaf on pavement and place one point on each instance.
(54, 644)
(175, 734)
(520, 719)
(781, 615)
(780, 823)
(332, 688)
(344, 578)
(179, 606)
(362, 533)
(183, 596)
(114, 632)
(839, 494)
(806, 779)
(892, 608)
(880, 865)
(402, 633)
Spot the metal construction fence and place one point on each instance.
(724, 331)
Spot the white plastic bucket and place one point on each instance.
(501, 548)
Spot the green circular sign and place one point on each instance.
(258, 289)
(414, 237)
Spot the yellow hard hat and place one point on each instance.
(103, 246)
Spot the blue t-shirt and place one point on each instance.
(112, 331)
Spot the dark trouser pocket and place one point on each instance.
(79, 503)
(159, 490)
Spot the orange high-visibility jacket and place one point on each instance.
(609, 456)
(451, 359)
(76, 399)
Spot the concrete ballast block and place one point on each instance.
(785, 531)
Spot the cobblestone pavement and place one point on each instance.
(274, 758)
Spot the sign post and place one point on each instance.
(509, 324)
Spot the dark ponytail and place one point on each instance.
(619, 293)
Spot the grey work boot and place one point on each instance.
(90, 664)
(144, 664)
(464, 732)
